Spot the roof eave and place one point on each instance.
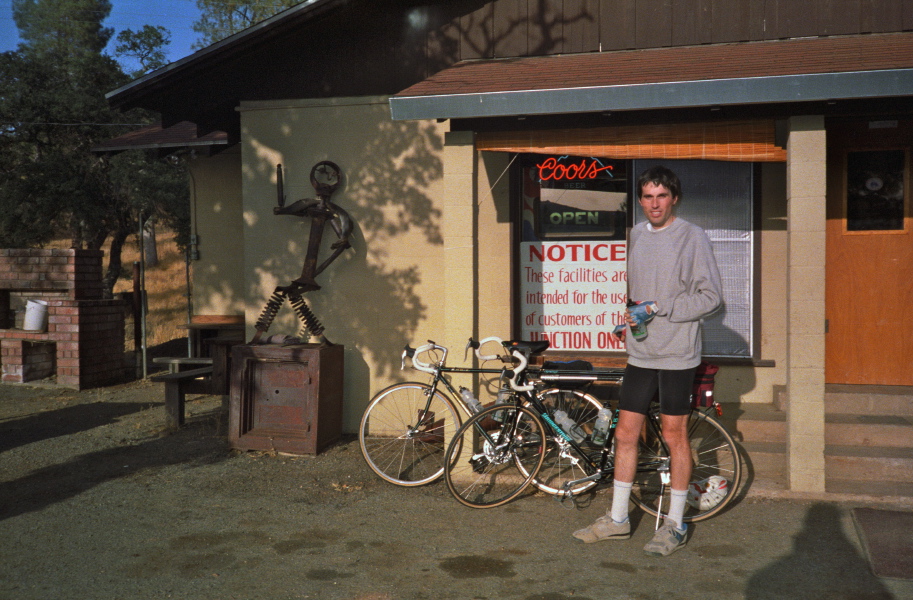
(661, 95)
(150, 82)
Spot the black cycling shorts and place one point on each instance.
(642, 386)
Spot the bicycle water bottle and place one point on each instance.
(639, 332)
(503, 398)
(470, 401)
(601, 426)
(569, 426)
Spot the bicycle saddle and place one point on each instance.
(527, 348)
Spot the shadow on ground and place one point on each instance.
(823, 564)
(195, 445)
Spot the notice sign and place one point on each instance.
(573, 293)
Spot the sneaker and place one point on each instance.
(604, 529)
(667, 540)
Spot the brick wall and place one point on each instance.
(85, 331)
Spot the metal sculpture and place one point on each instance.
(325, 177)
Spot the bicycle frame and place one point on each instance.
(438, 370)
(599, 470)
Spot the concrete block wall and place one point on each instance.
(806, 218)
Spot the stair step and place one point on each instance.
(869, 400)
(871, 463)
(868, 430)
(766, 460)
(754, 422)
(880, 489)
(868, 441)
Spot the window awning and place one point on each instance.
(783, 71)
(746, 141)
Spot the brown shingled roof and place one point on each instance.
(692, 63)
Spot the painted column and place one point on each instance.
(805, 185)
(459, 233)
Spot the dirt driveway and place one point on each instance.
(98, 502)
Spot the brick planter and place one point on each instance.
(84, 341)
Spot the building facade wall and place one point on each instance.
(432, 246)
(388, 290)
(218, 282)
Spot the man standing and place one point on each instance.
(673, 276)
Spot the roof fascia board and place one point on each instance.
(678, 94)
(151, 80)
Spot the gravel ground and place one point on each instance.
(98, 502)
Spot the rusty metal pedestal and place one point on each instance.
(286, 398)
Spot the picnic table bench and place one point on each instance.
(177, 385)
(176, 363)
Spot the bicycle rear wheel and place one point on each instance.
(562, 463)
(403, 436)
(482, 458)
(714, 480)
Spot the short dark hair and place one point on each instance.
(660, 175)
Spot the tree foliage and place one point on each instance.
(221, 18)
(145, 46)
(52, 113)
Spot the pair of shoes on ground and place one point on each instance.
(666, 540)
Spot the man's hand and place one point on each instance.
(621, 332)
(641, 313)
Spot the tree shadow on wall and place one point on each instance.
(372, 290)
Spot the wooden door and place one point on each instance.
(869, 288)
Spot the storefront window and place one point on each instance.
(718, 197)
(572, 251)
(572, 255)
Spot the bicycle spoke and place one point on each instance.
(482, 459)
(403, 435)
(715, 477)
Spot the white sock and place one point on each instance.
(677, 507)
(621, 496)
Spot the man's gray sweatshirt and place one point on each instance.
(675, 268)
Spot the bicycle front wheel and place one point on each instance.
(482, 458)
(562, 463)
(715, 478)
(404, 433)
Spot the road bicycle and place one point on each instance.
(406, 427)
(500, 451)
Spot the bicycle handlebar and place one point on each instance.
(414, 354)
(515, 372)
(477, 347)
(431, 368)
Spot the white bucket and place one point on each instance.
(36, 316)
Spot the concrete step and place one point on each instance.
(872, 463)
(764, 460)
(868, 430)
(755, 422)
(881, 489)
(864, 453)
(868, 400)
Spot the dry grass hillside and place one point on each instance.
(166, 289)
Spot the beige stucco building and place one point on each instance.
(434, 198)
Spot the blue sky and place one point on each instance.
(177, 16)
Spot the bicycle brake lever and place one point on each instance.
(470, 344)
(407, 351)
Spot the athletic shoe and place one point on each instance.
(604, 529)
(666, 540)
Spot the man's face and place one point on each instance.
(657, 202)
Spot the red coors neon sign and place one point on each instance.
(552, 169)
